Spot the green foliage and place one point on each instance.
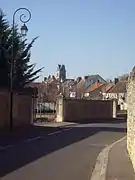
(23, 71)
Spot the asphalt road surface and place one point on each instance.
(68, 153)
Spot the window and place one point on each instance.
(72, 94)
(86, 94)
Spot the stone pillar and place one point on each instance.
(59, 108)
(114, 108)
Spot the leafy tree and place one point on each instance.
(23, 71)
(5, 50)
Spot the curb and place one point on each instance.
(99, 171)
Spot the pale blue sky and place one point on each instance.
(88, 36)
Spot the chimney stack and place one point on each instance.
(116, 80)
(78, 79)
(53, 77)
(45, 78)
(86, 77)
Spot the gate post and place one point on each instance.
(59, 108)
(114, 108)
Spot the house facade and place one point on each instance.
(79, 89)
(88, 91)
(96, 91)
(118, 92)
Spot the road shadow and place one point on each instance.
(23, 154)
(117, 120)
(21, 133)
(27, 132)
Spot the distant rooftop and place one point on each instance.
(119, 87)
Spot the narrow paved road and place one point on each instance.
(69, 153)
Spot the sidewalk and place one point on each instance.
(119, 164)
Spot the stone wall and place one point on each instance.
(4, 110)
(80, 110)
(131, 119)
(22, 109)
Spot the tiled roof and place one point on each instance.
(106, 87)
(93, 87)
(96, 94)
(81, 86)
(119, 87)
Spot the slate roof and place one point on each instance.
(95, 78)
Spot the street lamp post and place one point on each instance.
(24, 19)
